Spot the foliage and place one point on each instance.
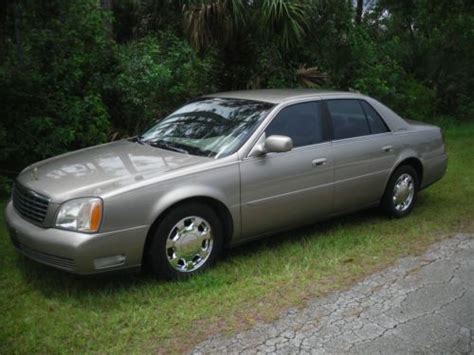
(77, 73)
(434, 42)
(5, 186)
(289, 19)
(206, 21)
(50, 83)
(154, 75)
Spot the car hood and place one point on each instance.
(99, 170)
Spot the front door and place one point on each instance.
(281, 190)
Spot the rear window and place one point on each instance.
(376, 123)
(347, 118)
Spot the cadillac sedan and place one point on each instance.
(221, 170)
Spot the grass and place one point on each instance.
(46, 311)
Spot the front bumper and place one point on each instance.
(75, 252)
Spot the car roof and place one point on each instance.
(277, 96)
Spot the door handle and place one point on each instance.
(387, 148)
(319, 162)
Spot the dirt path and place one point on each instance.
(422, 304)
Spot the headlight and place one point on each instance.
(82, 215)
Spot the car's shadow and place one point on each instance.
(55, 283)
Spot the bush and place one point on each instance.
(50, 86)
(271, 69)
(153, 76)
(5, 186)
(391, 85)
(415, 101)
(379, 75)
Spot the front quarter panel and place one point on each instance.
(142, 206)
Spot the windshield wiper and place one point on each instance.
(166, 145)
(139, 139)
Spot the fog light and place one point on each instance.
(109, 261)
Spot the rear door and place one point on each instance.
(280, 190)
(364, 152)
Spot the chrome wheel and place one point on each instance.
(403, 192)
(189, 244)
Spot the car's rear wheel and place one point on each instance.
(186, 241)
(401, 191)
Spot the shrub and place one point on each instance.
(153, 76)
(50, 83)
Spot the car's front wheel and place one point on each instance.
(186, 241)
(400, 195)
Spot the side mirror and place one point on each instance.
(272, 144)
(278, 144)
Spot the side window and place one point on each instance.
(303, 123)
(376, 123)
(347, 118)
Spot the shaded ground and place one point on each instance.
(423, 304)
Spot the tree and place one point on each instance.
(359, 11)
(219, 20)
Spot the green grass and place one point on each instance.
(47, 311)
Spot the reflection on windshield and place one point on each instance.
(212, 127)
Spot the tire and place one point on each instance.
(407, 180)
(186, 241)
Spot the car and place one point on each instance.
(222, 170)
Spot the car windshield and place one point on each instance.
(212, 127)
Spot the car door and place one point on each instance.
(364, 152)
(280, 190)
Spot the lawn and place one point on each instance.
(47, 311)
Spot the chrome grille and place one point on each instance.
(30, 204)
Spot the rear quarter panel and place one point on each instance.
(424, 142)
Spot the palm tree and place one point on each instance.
(288, 18)
(207, 21)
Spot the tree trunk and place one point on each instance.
(359, 9)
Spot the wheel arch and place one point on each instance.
(218, 206)
(412, 161)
